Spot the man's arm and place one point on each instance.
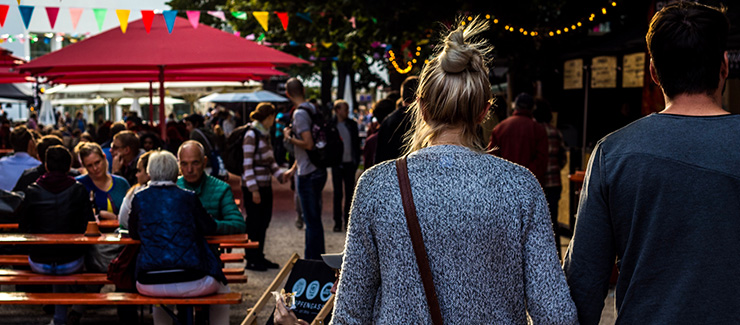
(591, 254)
(307, 140)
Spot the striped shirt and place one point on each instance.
(259, 166)
(555, 155)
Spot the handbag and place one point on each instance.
(121, 271)
(417, 240)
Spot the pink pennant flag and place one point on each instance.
(218, 14)
(353, 21)
(3, 14)
(52, 13)
(75, 13)
(194, 17)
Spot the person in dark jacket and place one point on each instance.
(30, 175)
(344, 174)
(391, 142)
(174, 260)
(56, 204)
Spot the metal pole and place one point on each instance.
(162, 126)
(151, 104)
(587, 75)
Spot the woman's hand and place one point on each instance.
(287, 175)
(283, 316)
(256, 198)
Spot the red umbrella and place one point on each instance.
(9, 68)
(206, 74)
(157, 53)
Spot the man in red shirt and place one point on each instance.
(520, 139)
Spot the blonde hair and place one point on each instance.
(84, 149)
(262, 111)
(454, 90)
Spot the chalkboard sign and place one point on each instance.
(311, 281)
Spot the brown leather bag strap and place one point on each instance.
(418, 241)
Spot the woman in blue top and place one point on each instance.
(108, 190)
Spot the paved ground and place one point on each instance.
(284, 239)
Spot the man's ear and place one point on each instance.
(724, 70)
(653, 73)
(205, 160)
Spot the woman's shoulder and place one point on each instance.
(120, 181)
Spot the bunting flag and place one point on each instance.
(52, 13)
(123, 18)
(262, 18)
(75, 13)
(353, 21)
(239, 15)
(3, 14)
(218, 14)
(19, 2)
(283, 16)
(169, 19)
(147, 16)
(26, 13)
(194, 17)
(326, 44)
(305, 15)
(100, 17)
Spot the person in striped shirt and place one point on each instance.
(259, 168)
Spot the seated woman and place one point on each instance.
(142, 178)
(56, 204)
(174, 260)
(108, 190)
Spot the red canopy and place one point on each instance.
(185, 47)
(207, 74)
(9, 68)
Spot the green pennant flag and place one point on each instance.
(342, 45)
(239, 15)
(100, 17)
(261, 38)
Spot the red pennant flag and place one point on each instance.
(3, 14)
(147, 16)
(283, 19)
(52, 13)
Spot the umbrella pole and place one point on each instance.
(161, 103)
(151, 105)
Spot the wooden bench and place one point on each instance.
(23, 259)
(24, 277)
(247, 245)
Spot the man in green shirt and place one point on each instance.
(214, 194)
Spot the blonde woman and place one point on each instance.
(108, 190)
(484, 220)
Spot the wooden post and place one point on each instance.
(279, 279)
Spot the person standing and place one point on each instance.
(311, 179)
(660, 196)
(520, 139)
(259, 168)
(343, 175)
(391, 143)
(484, 220)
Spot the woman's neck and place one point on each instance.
(451, 136)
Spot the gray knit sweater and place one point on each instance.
(487, 233)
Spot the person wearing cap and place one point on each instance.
(283, 316)
(520, 139)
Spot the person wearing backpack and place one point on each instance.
(259, 166)
(311, 178)
(343, 173)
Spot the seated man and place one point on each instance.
(56, 204)
(214, 194)
(126, 152)
(24, 157)
(30, 175)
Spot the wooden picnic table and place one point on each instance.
(81, 239)
(103, 224)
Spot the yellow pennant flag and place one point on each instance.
(19, 2)
(123, 18)
(262, 17)
(326, 44)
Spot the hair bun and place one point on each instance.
(456, 55)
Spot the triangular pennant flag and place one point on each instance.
(283, 16)
(26, 13)
(353, 21)
(147, 16)
(19, 2)
(305, 15)
(194, 17)
(123, 18)
(75, 13)
(261, 38)
(262, 18)
(169, 19)
(326, 44)
(100, 17)
(3, 14)
(218, 14)
(239, 15)
(52, 13)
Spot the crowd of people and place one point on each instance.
(660, 195)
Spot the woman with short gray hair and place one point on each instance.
(174, 260)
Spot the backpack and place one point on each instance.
(328, 147)
(214, 157)
(233, 154)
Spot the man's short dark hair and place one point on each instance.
(45, 143)
(117, 128)
(294, 87)
(128, 139)
(58, 159)
(19, 138)
(687, 43)
(408, 89)
(195, 119)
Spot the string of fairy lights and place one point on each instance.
(531, 32)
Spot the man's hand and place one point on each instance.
(105, 215)
(287, 133)
(117, 163)
(283, 316)
(287, 175)
(256, 198)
